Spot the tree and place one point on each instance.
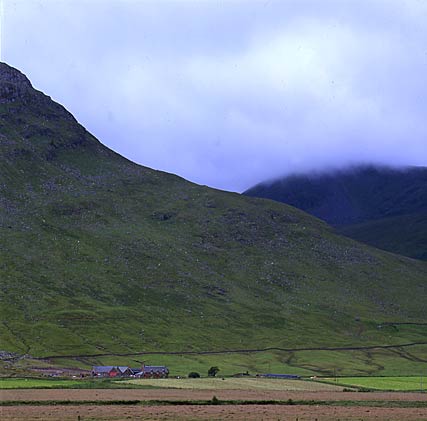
(193, 375)
(212, 372)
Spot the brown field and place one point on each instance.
(204, 412)
(223, 412)
(194, 394)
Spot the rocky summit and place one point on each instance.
(13, 85)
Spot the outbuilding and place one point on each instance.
(105, 371)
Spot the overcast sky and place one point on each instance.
(230, 93)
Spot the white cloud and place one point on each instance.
(227, 94)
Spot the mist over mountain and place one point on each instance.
(383, 206)
(100, 255)
(226, 94)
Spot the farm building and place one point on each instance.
(125, 371)
(279, 376)
(106, 371)
(146, 371)
(153, 371)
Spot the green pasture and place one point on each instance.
(33, 383)
(390, 383)
(372, 362)
(241, 383)
(16, 383)
(220, 383)
(395, 362)
(404, 383)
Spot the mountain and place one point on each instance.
(382, 206)
(100, 256)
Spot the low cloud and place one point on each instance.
(231, 93)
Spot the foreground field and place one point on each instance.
(233, 412)
(105, 395)
(409, 383)
(188, 404)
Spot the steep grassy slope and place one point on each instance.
(403, 234)
(381, 206)
(99, 255)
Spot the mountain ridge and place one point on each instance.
(100, 254)
(362, 200)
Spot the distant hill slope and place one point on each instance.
(381, 206)
(100, 255)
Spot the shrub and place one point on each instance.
(215, 401)
(193, 375)
(212, 372)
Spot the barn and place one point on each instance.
(153, 371)
(146, 371)
(105, 371)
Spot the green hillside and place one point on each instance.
(384, 207)
(99, 255)
(403, 234)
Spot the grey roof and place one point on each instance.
(103, 368)
(122, 369)
(155, 368)
(282, 376)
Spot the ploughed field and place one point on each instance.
(179, 395)
(212, 412)
(208, 399)
(184, 404)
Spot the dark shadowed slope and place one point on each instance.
(100, 255)
(381, 206)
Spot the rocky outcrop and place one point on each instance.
(42, 125)
(13, 84)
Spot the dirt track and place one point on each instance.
(234, 412)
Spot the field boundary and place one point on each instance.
(216, 401)
(232, 351)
